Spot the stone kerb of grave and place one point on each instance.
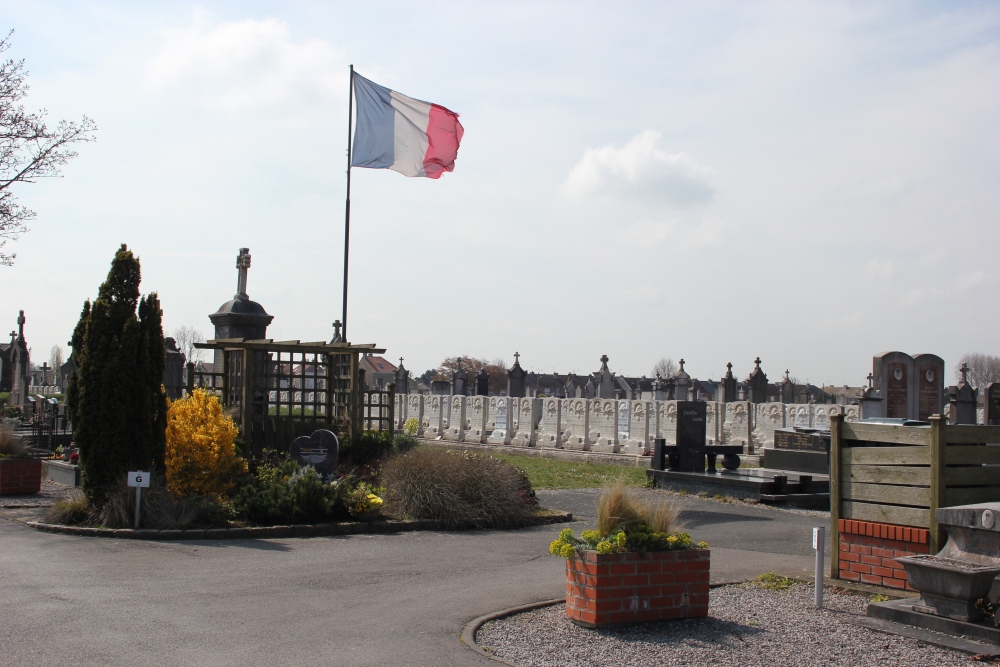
(319, 450)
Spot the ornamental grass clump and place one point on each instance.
(626, 523)
(458, 489)
(201, 457)
(10, 444)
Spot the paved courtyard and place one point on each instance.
(359, 600)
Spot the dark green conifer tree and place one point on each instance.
(115, 398)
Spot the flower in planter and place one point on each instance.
(74, 458)
(363, 499)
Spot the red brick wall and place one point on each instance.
(868, 551)
(603, 589)
(20, 475)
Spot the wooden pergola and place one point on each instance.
(278, 390)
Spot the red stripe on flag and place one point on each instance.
(444, 134)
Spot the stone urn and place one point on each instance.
(963, 572)
(948, 586)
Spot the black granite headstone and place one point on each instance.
(483, 383)
(691, 436)
(319, 450)
(992, 404)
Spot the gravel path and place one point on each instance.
(747, 627)
(49, 495)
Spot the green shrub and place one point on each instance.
(411, 426)
(404, 442)
(367, 448)
(289, 494)
(459, 489)
(11, 412)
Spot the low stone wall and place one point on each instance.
(868, 551)
(20, 475)
(626, 427)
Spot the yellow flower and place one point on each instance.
(200, 456)
(555, 548)
(604, 547)
(567, 551)
(621, 540)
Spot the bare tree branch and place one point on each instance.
(29, 150)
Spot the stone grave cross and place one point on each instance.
(20, 325)
(871, 379)
(337, 337)
(965, 372)
(243, 265)
(517, 357)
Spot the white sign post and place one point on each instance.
(140, 480)
(819, 533)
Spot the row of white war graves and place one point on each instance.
(599, 424)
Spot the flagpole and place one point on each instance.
(347, 210)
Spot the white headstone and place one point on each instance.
(501, 413)
(575, 419)
(455, 431)
(476, 409)
(603, 425)
(549, 428)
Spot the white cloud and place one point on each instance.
(970, 279)
(245, 63)
(641, 168)
(879, 270)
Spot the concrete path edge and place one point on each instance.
(261, 532)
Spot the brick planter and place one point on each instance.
(868, 551)
(20, 475)
(608, 589)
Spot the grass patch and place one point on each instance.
(878, 597)
(773, 582)
(554, 474)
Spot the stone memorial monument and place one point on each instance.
(991, 415)
(910, 387)
(691, 436)
(515, 378)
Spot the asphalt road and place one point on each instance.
(358, 600)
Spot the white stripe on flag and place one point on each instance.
(409, 134)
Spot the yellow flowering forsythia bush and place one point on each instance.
(201, 455)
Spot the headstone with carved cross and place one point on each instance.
(758, 384)
(964, 398)
(515, 378)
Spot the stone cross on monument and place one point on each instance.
(757, 362)
(787, 376)
(517, 357)
(401, 361)
(871, 378)
(337, 338)
(964, 369)
(729, 368)
(242, 264)
(681, 362)
(20, 325)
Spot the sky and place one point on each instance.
(810, 183)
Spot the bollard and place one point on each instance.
(819, 533)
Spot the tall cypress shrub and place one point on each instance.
(116, 398)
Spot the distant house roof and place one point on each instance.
(379, 364)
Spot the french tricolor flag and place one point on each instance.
(398, 132)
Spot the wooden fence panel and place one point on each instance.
(904, 516)
(897, 435)
(971, 494)
(972, 455)
(971, 476)
(971, 435)
(888, 494)
(885, 456)
(876, 474)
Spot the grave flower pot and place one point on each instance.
(617, 588)
(20, 475)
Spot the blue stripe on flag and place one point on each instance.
(373, 137)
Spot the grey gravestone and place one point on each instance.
(963, 400)
(928, 385)
(893, 371)
(691, 436)
(440, 387)
(319, 450)
(483, 383)
(871, 401)
(787, 389)
(402, 379)
(515, 378)
(758, 384)
(992, 415)
(679, 384)
(459, 381)
(729, 385)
